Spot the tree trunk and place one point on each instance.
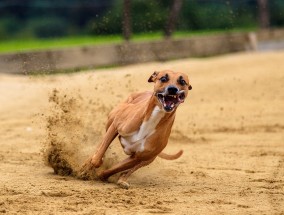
(126, 22)
(173, 16)
(263, 13)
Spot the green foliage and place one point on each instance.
(108, 23)
(215, 15)
(9, 26)
(45, 27)
(45, 19)
(151, 16)
(277, 17)
(148, 16)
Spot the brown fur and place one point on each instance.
(127, 119)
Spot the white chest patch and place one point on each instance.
(135, 142)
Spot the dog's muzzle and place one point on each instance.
(171, 97)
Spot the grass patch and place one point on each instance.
(40, 44)
(21, 45)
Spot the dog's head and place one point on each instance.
(171, 88)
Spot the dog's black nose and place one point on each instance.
(172, 90)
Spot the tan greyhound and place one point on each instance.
(143, 124)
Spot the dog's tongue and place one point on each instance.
(169, 102)
(169, 105)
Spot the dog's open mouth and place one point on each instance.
(170, 102)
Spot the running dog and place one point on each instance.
(143, 125)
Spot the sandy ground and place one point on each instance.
(231, 129)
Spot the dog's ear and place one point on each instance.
(189, 87)
(153, 77)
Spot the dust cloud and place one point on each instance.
(72, 137)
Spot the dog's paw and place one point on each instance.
(86, 169)
(123, 184)
(83, 176)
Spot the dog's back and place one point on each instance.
(134, 99)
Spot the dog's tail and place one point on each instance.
(170, 157)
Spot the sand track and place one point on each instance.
(231, 129)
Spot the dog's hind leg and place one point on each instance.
(126, 164)
(122, 181)
(106, 141)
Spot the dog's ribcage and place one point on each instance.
(135, 141)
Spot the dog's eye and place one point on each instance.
(182, 82)
(163, 79)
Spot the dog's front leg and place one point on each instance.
(106, 141)
(96, 160)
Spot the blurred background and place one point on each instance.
(42, 19)
(32, 25)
